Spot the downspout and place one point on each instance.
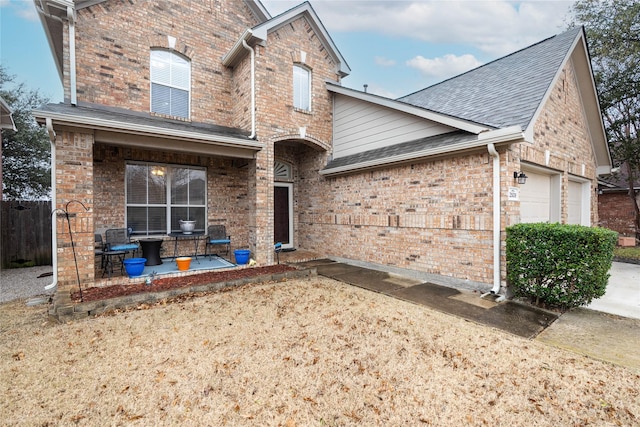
(71, 16)
(54, 223)
(496, 220)
(253, 88)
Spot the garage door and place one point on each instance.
(535, 197)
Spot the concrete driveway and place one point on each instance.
(609, 328)
(623, 292)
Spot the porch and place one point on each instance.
(203, 264)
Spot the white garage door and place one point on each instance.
(535, 197)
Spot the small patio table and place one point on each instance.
(195, 236)
(151, 251)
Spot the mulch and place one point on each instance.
(107, 292)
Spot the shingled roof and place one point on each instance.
(502, 93)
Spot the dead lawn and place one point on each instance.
(300, 353)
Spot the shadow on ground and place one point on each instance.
(519, 319)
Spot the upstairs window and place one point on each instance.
(301, 88)
(170, 83)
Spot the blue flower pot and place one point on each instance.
(134, 266)
(242, 256)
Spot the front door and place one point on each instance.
(283, 214)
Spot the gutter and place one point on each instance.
(54, 222)
(510, 134)
(145, 130)
(71, 17)
(497, 213)
(253, 88)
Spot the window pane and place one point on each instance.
(160, 72)
(179, 103)
(197, 187)
(157, 220)
(160, 99)
(180, 76)
(198, 214)
(157, 185)
(180, 186)
(136, 184)
(137, 220)
(177, 214)
(301, 88)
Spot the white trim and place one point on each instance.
(408, 108)
(585, 199)
(145, 130)
(510, 135)
(288, 185)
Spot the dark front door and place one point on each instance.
(281, 220)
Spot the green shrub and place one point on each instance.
(559, 265)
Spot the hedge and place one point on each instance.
(559, 265)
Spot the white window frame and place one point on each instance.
(175, 64)
(301, 95)
(168, 170)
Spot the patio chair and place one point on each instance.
(117, 239)
(98, 248)
(217, 235)
(277, 247)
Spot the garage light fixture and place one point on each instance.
(520, 177)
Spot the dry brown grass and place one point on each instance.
(300, 353)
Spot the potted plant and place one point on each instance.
(187, 226)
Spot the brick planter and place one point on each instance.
(626, 241)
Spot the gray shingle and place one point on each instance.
(418, 145)
(502, 93)
(117, 115)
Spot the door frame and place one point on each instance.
(289, 186)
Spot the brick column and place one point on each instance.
(261, 206)
(74, 183)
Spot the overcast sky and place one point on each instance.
(395, 47)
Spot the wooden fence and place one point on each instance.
(25, 233)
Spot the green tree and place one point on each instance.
(26, 153)
(613, 34)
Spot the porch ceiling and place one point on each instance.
(127, 128)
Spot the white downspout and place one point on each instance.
(71, 16)
(253, 88)
(496, 220)
(54, 222)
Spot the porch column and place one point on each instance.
(74, 183)
(261, 206)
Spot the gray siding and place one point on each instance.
(360, 126)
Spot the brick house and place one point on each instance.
(246, 114)
(615, 208)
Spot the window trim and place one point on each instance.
(172, 55)
(309, 74)
(168, 204)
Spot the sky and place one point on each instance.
(394, 47)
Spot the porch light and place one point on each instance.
(520, 177)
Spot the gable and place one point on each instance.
(53, 13)
(502, 93)
(360, 126)
(259, 34)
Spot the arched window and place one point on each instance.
(301, 88)
(170, 83)
(281, 171)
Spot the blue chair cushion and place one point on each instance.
(125, 247)
(219, 242)
(277, 246)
